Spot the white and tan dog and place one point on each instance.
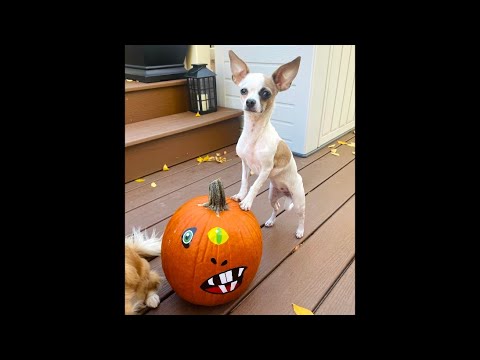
(260, 147)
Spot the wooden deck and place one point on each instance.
(316, 272)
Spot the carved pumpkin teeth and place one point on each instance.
(223, 278)
(226, 277)
(224, 282)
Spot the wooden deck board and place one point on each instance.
(307, 274)
(279, 241)
(341, 300)
(161, 208)
(143, 131)
(146, 194)
(157, 176)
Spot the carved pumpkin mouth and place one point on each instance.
(224, 282)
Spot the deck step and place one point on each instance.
(147, 101)
(176, 138)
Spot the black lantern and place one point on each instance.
(202, 89)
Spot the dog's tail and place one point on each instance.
(144, 245)
(288, 205)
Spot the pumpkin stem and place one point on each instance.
(216, 197)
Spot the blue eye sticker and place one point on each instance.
(187, 236)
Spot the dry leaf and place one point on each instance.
(335, 154)
(128, 80)
(301, 310)
(140, 180)
(218, 154)
(224, 152)
(342, 142)
(333, 151)
(208, 158)
(353, 152)
(352, 144)
(220, 159)
(165, 167)
(153, 184)
(330, 146)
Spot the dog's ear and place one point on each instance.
(285, 74)
(238, 67)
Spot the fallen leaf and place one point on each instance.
(333, 151)
(335, 154)
(153, 184)
(352, 144)
(165, 167)
(330, 146)
(200, 159)
(218, 154)
(128, 80)
(224, 152)
(301, 310)
(140, 180)
(342, 142)
(353, 152)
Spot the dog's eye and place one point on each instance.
(244, 91)
(188, 236)
(265, 94)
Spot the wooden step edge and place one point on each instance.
(137, 86)
(220, 115)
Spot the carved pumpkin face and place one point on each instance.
(209, 259)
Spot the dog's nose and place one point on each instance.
(250, 103)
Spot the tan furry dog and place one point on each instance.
(141, 283)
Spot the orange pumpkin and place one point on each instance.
(211, 249)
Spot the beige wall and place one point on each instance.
(199, 54)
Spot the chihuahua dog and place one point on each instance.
(141, 283)
(260, 147)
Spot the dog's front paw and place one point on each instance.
(246, 203)
(153, 300)
(238, 197)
